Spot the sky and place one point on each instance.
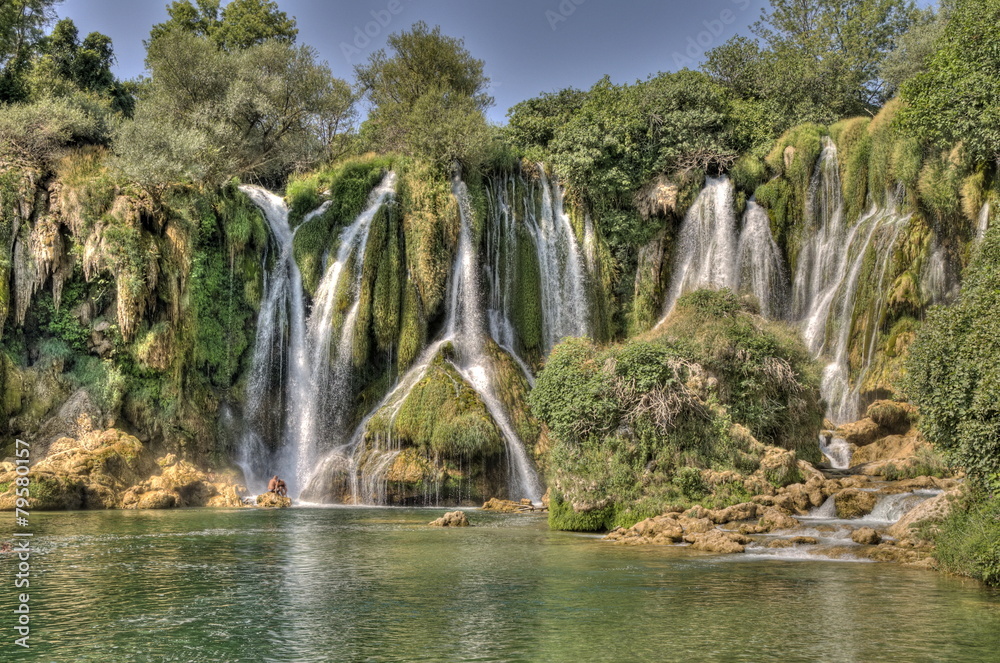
(529, 46)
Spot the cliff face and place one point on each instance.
(136, 312)
(145, 313)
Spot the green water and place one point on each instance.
(379, 585)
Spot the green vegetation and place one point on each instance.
(952, 375)
(428, 98)
(954, 99)
(968, 541)
(631, 425)
(240, 24)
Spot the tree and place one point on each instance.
(430, 81)
(240, 24)
(816, 61)
(955, 99)
(913, 51)
(533, 124)
(22, 24)
(953, 374)
(207, 114)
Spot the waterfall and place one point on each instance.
(294, 392)
(836, 450)
(564, 294)
(711, 254)
(468, 327)
(984, 222)
(707, 244)
(760, 268)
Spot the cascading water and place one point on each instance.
(707, 244)
(290, 393)
(564, 294)
(711, 254)
(466, 328)
(984, 222)
(760, 265)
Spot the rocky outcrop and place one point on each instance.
(273, 501)
(866, 536)
(853, 503)
(510, 506)
(111, 469)
(451, 519)
(933, 510)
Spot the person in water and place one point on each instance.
(282, 489)
(272, 485)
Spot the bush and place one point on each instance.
(968, 541)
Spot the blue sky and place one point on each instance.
(529, 46)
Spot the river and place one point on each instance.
(353, 584)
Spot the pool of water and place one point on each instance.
(348, 584)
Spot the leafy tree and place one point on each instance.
(428, 98)
(955, 99)
(207, 114)
(816, 61)
(22, 23)
(536, 122)
(913, 51)
(240, 24)
(953, 374)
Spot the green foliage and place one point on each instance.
(968, 541)
(952, 375)
(207, 114)
(37, 131)
(428, 98)
(103, 380)
(819, 62)
(241, 23)
(954, 99)
(627, 420)
(21, 27)
(442, 415)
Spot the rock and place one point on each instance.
(718, 541)
(697, 512)
(896, 448)
(804, 540)
(859, 433)
(934, 509)
(774, 518)
(273, 501)
(451, 519)
(156, 499)
(744, 511)
(895, 418)
(501, 506)
(866, 536)
(854, 503)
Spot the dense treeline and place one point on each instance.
(167, 252)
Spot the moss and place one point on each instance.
(442, 415)
(563, 517)
(939, 187)
(748, 173)
(526, 304)
(794, 155)
(413, 329)
(854, 145)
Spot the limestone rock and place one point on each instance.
(273, 501)
(892, 416)
(859, 433)
(936, 508)
(866, 536)
(156, 499)
(744, 511)
(451, 519)
(854, 503)
(718, 541)
(774, 518)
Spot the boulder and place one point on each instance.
(894, 418)
(774, 519)
(451, 519)
(744, 511)
(273, 501)
(156, 499)
(866, 536)
(501, 506)
(854, 503)
(859, 433)
(718, 541)
(934, 509)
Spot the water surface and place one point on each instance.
(379, 585)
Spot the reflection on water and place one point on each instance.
(379, 585)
